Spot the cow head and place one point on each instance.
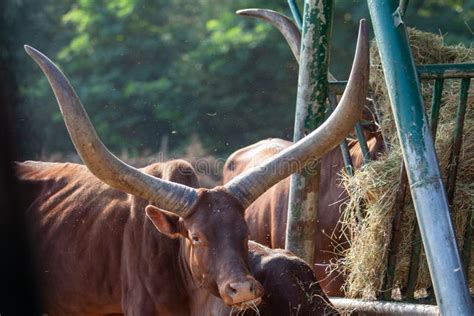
(212, 221)
(217, 237)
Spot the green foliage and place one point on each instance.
(145, 69)
(454, 19)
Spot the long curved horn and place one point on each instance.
(250, 185)
(100, 161)
(283, 24)
(286, 27)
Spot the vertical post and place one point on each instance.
(457, 140)
(346, 156)
(420, 159)
(362, 142)
(296, 12)
(396, 234)
(436, 106)
(310, 113)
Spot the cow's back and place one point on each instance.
(266, 216)
(76, 224)
(84, 232)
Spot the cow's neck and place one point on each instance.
(157, 257)
(152, 264)
(201, 301)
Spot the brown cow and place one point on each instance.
(96, 251)
(267, 216)
(95, 226)
(112, 263)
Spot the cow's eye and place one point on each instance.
(195, 239)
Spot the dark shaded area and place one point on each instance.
(18, 294)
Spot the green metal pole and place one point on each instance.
(446, 71)
(420, 159)
(457, 141)
(296, 12)
(436, 106)
(310, 113)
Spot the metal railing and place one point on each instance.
(438, 73)
(416, 136)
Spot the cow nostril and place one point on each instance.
(232, 291)
(252, 287)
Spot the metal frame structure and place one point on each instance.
(438, 73)
(419, 155)
(310, 113)
(422, 173)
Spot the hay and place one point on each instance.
(367, 220)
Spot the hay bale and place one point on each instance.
(367, 219)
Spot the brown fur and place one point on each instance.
(291, 287)
(267, 216)
(98, 253)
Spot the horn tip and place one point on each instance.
(363, 25)
(33, 53)
(244, 11)
(29, 50)
(38, 57)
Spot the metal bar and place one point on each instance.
(435, 106)
(383, 308)
(414, 264)
(453, 168)
(419, 155)
(457, 141)
(416, 248)
(467, 247)
(445, 71)
(362, 143)
(346, 156)
(310, 111)
(396, 233)
(379, 115)
(296, 13)
(403, 6)
(337, 87)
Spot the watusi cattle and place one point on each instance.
(99, 252)
(96, 226)
(267, 216)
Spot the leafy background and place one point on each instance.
(174, 72)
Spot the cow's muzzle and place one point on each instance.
(236, 293)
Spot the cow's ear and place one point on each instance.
(166, 222)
